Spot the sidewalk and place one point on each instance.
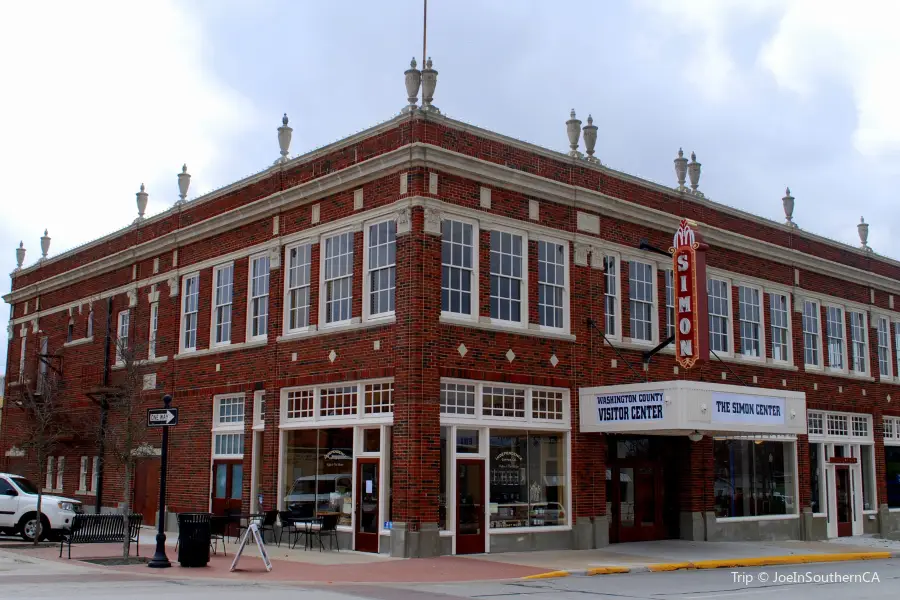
(311, 566)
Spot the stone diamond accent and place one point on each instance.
(553, 360)
(332, 356)
(510, 355)
(462, 350)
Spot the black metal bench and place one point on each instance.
(101, 529)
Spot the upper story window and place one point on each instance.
(506, 276)
(858, 342)
(42, 364)
(611, 294)
(70, 330)
(811, 333)
(90, 323)
(457, 267)
(259, 297)
(122, 335)
(457, 399)
(749, 314)
(154, 328)
(22, 360)
(640, 297)
(778, 318)
(298, 283)
(897, 346)
(223, 295)
(381, 268)
(834, 333)
(338, 280)
(884, 347)
(719, 315)
(670, 303)
(190, 293)
(551, 284)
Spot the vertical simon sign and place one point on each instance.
(691, 316)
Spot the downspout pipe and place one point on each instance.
(104, 406)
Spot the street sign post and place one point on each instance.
(162, 417)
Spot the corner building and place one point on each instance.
(417, 328)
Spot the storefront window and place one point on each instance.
(892, 474)
(527, 479)
(868, 478)
(814, 475)
(319, 472)
(754, 478)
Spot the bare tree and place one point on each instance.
(126, 428)
(44, 426)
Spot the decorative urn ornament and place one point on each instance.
(788, 203)
(681, 170)
(45, 245)
(184, 182)
(590, 139)
(863, 230)
(20, 255)
(694, 173)
(429, 83)
(284, 138)
(141, 198)
(573, 129)
(413, 81)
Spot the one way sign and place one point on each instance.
(162, 417)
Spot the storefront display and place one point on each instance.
(319, 472)
(754, 478)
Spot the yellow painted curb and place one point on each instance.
(608, 570)
(548, 575)
(660, 567)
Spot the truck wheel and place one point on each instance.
(28, 527)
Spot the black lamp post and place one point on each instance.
(160, 560)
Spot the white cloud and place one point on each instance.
(100, 97)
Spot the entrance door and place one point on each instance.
(367, 514)
(637, 502)
(469, 506)
(844, 501)
(146, 489)
(228, 484)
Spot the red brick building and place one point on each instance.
(414, 328)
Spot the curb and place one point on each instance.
(762, 561)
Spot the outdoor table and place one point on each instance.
(307, 523)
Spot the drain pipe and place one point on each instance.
(104, 406)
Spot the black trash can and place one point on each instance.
(193, 539)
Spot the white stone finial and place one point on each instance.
(863, 230)
(20, 255)
(184, 182)
(45, 245)
(681, 170)
(573, 130)
(694, 174)
(141, 199)
(284, 139)
(413, 80)
(788, 204)
(590, 140)
(429, 83)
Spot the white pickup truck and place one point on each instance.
(18, 508)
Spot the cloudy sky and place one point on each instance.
(98, 97)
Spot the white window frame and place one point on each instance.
(60, 473)
(884, 375)
(729, 318)
(214, 311)
(82, 476)
(669, 290)
(761, 296)
(851, 343)
(182, 331)
(499, 422)
(845, 360)
(286, 326)
(523, 281)
(95, 471)
(89, 332)
(368, 315)
(317, 419)
(251, 313)
(820, 334)
(123, 326)
(154, 330)
(323, 283)
(227, 428)
(475, 304)
(616, 295)
(259, 417)
(22, 353)
(42, 364)
(654, 309)
(789, 346)
(566, 303)
(48, 477)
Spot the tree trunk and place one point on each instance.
(126, 510)
(40, 524)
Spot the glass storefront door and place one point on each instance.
(469, 506)
(367, 490)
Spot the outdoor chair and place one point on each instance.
(327, 528)
(218, 528)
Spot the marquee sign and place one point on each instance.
(691, 316)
